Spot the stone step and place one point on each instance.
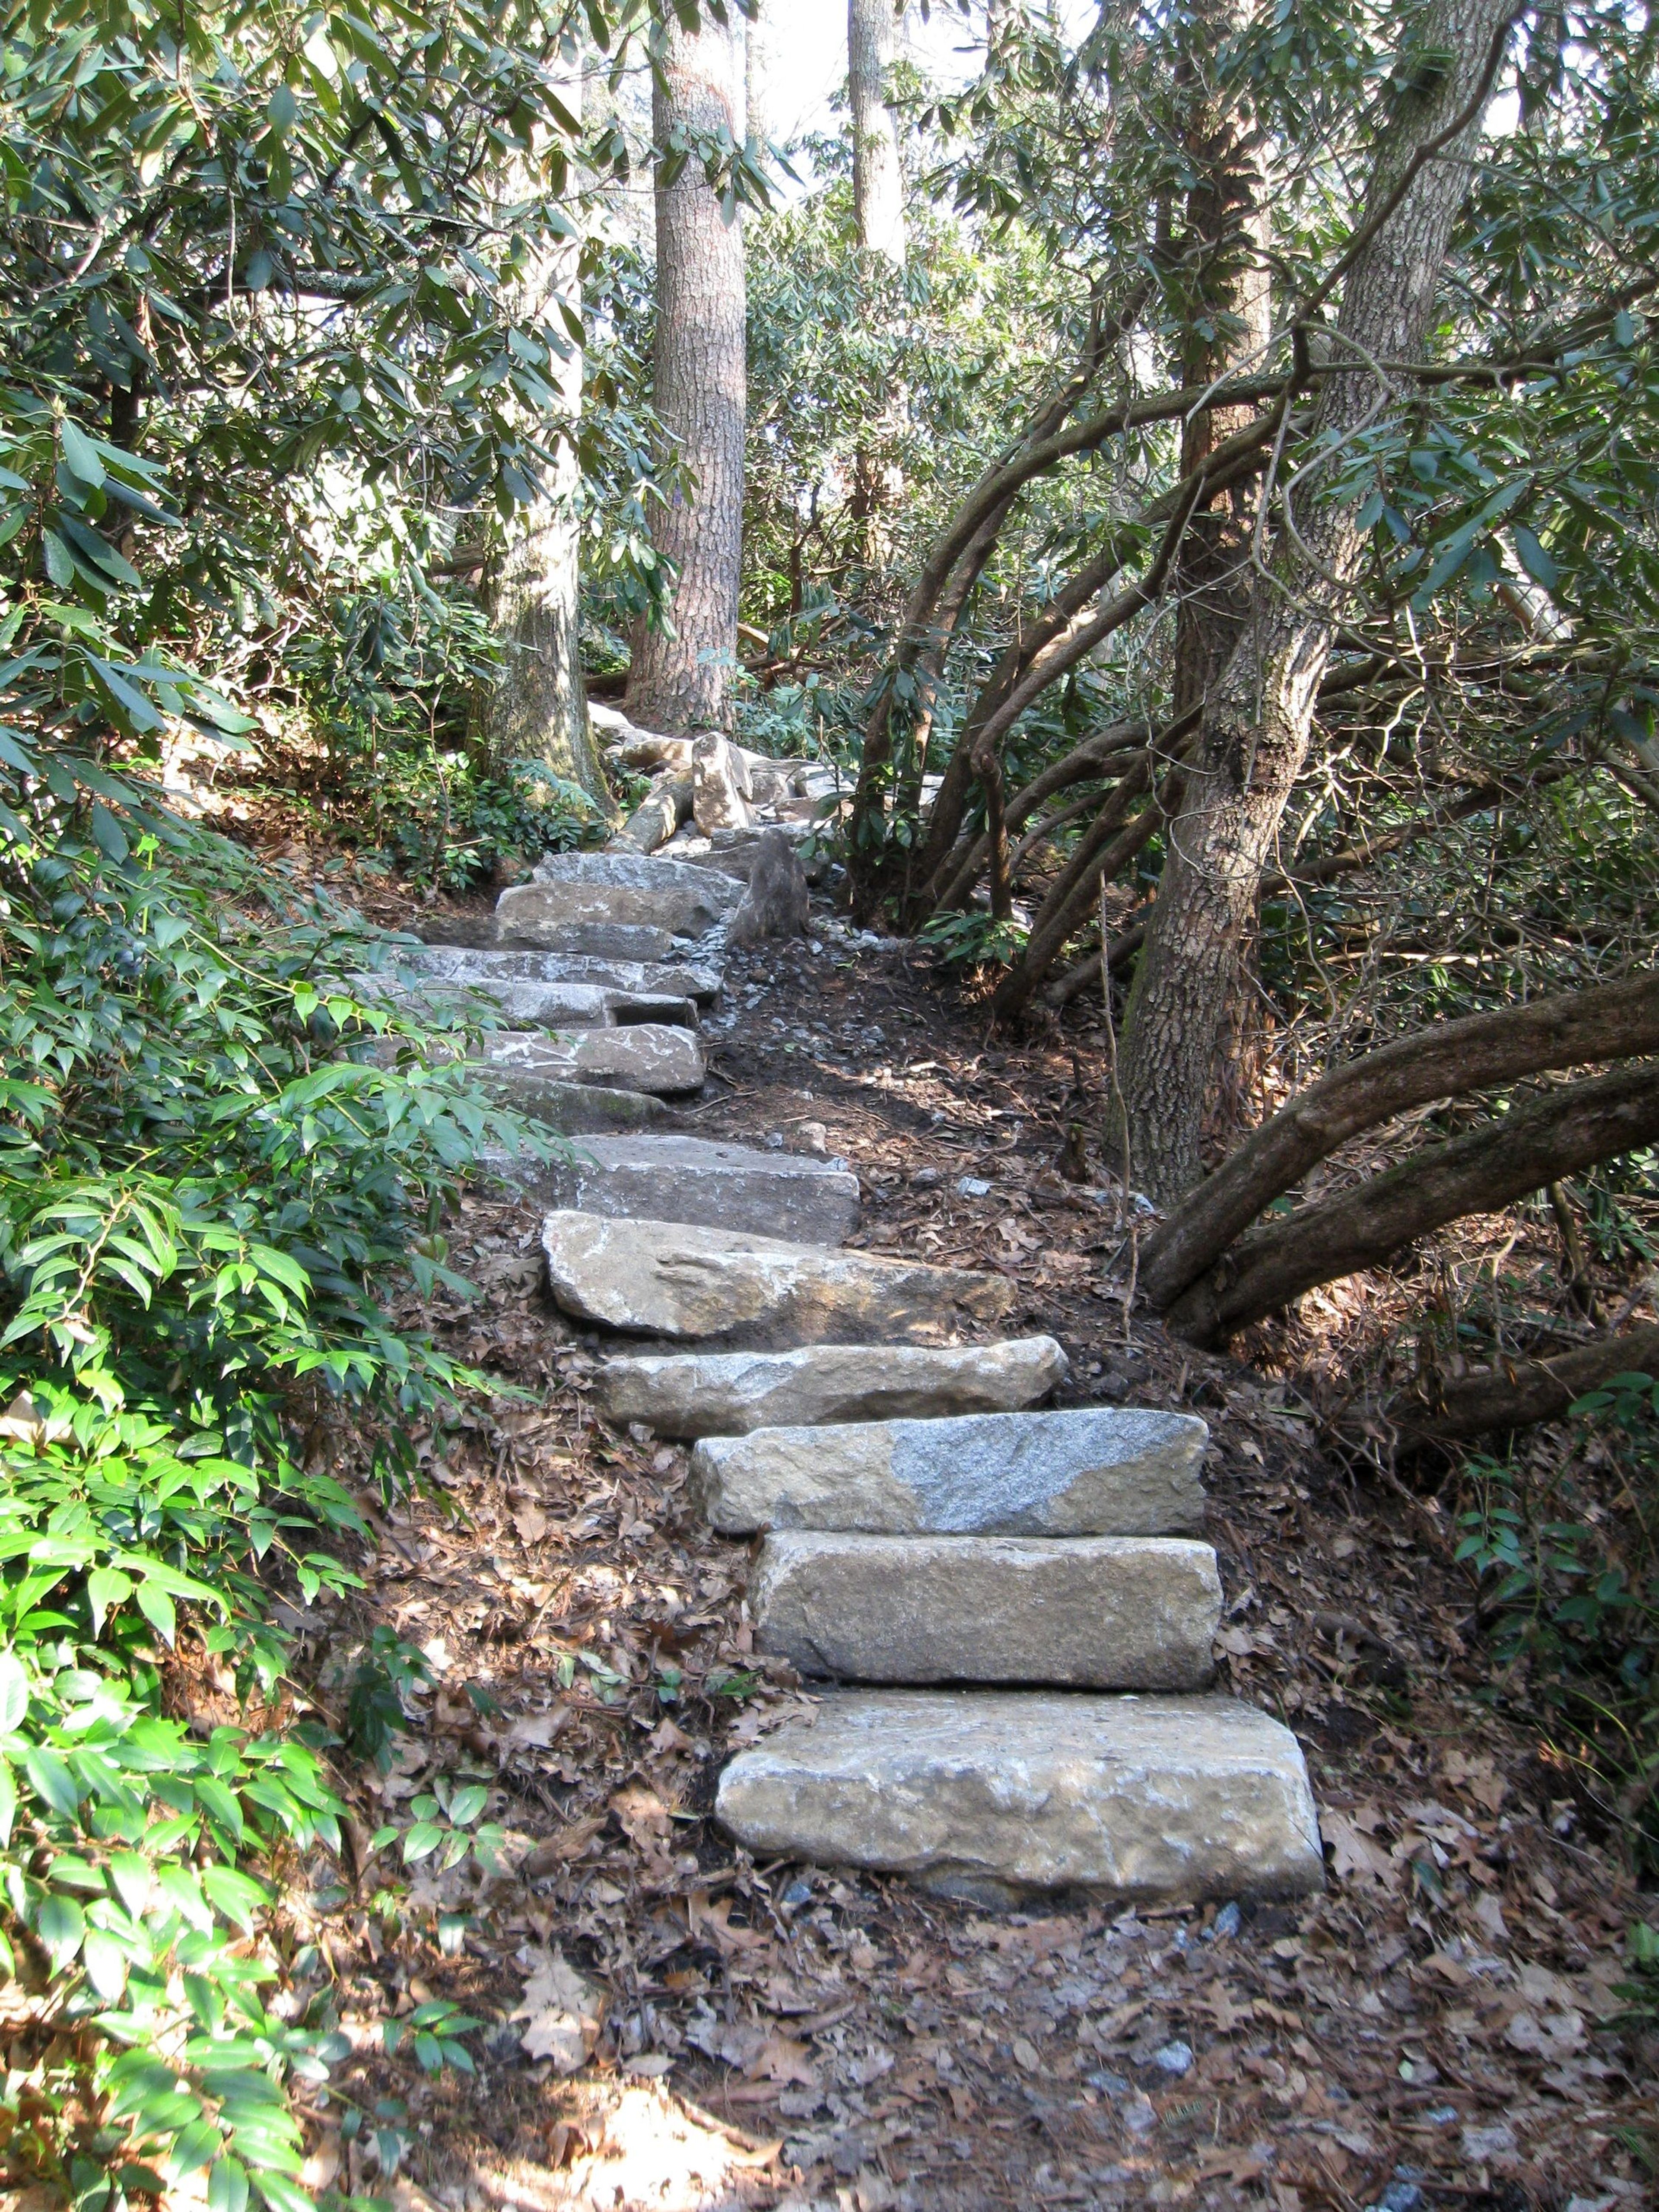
(613, 887)
(728, 1393)
(996, 1797)
(574, 1110)
(665, 1060)
(638, 978)
(590, 940)
(789, 1194)
(531, 1006)
(1090, 1471)
(670, 1279)
(1081, 1612)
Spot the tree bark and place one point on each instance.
(877, 174)
(1558, 1134)
(1522, 1390)
(1259, 717)
(1617, 1022)
(537, 711)
(681, 679)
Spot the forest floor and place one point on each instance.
(664, 2023)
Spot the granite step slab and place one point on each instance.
(673, 1280)
(591, 940)
(573, 1109)
(1086, 1471)
(638, 978)
(614, 887)
(669, 1178)
(728, 1393)
(1081, 1612)
(999, 1797)
(558, 1006)
(667, 1061)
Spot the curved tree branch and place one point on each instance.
(1556, 1133)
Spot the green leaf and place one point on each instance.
(80, 455)
(1534, 559)
(158, 1608)
(465, 1805)
(422, 1840)
(106, 1964)
(61, 1926)
(227, 2189)
(14, 1694)
(51, 1779)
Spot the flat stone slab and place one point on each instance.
(533, 1005)
(1082, 1612)
(662, 979)
(613, 887)
(728, 1393)
(995, 1797)
(668, 1279)
(650, 1057)
(573, 1109)
(790, 1194)
(597, 940)
(1096, 1471)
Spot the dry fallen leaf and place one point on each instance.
(563, 2012)
(531, 1523)
(1354, 1854)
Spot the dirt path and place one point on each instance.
(703, 2030)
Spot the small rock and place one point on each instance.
(1494, 2142)
(1174, 2058)
(1140, 2115)
(973, 1187)
(814, 1136)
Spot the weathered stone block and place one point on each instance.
(788, 1194)
(996, 1796)
(728, 1393)
(1091, 1471)
(670, 1280)
(648, 1058)
(1087, 1613)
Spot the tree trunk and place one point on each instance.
(538, 709)
(878, 177)
(681, 680)
(1525, 1390)
(1558, 1134)
(1617, 1022)
(1259, 717)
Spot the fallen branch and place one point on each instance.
(1520, 1391)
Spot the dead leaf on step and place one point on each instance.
(563, 2012)
(643, 1816)
(531, 1523)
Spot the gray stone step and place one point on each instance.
(670, 1279)
(996, 1797)
(789, 1194)
(614, 887)
(531, 1005)
(595, 940)
(1091, 1471)
(665, 1060)
(575, 1109)
(1081, 1612)
(453, 964)
(728, 1393)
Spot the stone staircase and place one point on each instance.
(1004, 1615)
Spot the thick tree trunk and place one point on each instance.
(1618, 1022)
(684, 681)
(1558, 1134)
(1259, 717)
(538, 709)
(878, 177)
(1524, 1389)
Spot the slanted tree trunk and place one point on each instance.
(1616, 1022)
(683, 681)
(537, 711)
(1535, 1387)
(1558, 1134)
(878, 177)
(1258, 720)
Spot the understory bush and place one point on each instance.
(1569, 1570)
(211, 1168)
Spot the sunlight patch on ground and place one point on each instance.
(650, 2151)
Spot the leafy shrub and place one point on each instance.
(1574, 1591)
(204, 1180)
